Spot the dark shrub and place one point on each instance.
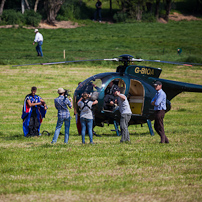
(11, 17)
(120, 17)
(32, 18)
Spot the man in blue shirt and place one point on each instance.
(61, 103)
(159, 103)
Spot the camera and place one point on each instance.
(67, 92)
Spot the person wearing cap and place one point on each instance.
(34, 110)
(126, 113)
(61, 104)
(38, 39)
(159, 103)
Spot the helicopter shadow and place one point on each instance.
(131, 134)
(11, 137)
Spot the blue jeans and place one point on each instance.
(58, 128)
(39, 49)
(89, 123)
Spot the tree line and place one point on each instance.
(128, 9)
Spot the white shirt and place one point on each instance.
(124, 106)
(38, 37)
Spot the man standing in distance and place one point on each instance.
(61, 103)
(39, 40)
(98, 6)
(159, 103)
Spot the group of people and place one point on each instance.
(34, 110)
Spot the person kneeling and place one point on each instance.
(86, 116)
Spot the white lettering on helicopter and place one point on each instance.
(144, 71)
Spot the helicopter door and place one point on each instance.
(136, 97)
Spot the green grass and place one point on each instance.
(95, 41)
(34, 170)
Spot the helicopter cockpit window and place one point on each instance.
(109, 99)
(90, 85)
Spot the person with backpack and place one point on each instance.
(86, 116)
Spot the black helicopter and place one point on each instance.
(136, 82)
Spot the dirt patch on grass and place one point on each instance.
(178, 17)
(45, 25)
(59, 24)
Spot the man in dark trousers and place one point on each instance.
(159, 103)
(98, 6)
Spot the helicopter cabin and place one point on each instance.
(136, 97)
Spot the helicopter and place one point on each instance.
(136, 82)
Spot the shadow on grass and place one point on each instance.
(131, 134)
(11, 137)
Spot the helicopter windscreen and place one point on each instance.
(91, 84)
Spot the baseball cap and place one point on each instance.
(157, 83)
(36, 30)
(61, 90)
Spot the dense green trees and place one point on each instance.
(140, 10)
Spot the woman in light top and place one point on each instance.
(86, 116)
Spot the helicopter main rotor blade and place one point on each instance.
(52, 63)
(168, 62)
(27, 64)
(62, 62)
(117, 60)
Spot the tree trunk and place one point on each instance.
(168, 8)
(138, 12)
(2, 8)
(23, 6)
(27, 4)
(110, 7)
(52, 7)
(36, 5)
(157, 9)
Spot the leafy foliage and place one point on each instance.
(32, 18)
(12, 17)
(74, 10)
(120, 17)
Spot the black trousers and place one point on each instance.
(33, 125)
(158, 125)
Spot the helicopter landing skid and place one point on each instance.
(150, 127)
(116, 125)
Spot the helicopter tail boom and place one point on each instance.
(173, 88)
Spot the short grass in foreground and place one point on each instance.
(34, 170)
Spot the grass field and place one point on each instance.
(34, 170)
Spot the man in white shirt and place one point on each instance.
(39, 40)
(125, 112)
